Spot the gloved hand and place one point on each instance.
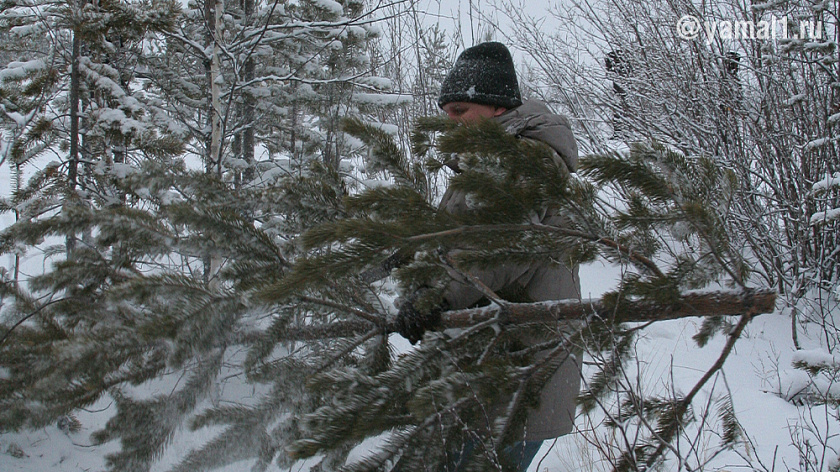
(412, 322)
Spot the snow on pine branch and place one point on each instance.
(19, 119)
(382, 99)
(815, 359)
(330, 6)
(19, 70)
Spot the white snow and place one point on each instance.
(767, 5)
(169, 197)
(28, 30)
(329, 5)
(817, 143)
(815, 357)
(376, 183)
(382, 98)
(274, 173)
(20, 120)
(19, 70)
(379, 83)
(353, 142)
(121, 170)
(110, 115)
(235, 163)
(354, 32)
(386, 127)
(825, 216)
(117, 118)
(796, 99)
(373, 29)
(345, 165)
(827, 183)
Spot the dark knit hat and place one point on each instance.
(482, 74)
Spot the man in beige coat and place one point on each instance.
(483, 85)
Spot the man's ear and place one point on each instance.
(499, 111)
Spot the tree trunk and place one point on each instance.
(213, 11)
(75, 85)
(248, 103)
(215, 89)
(73, 167)
(243, 140)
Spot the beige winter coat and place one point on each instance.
(547, 280)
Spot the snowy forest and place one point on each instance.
(212, 210)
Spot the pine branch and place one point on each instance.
(633, 255)
(708, 304)
(338, 306)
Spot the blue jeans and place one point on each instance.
(520, 454)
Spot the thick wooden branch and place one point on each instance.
(752, 302)
(705, 304)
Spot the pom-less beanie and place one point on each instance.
(482, 74)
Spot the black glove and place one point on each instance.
(411, 323)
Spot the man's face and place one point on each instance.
(471, 112)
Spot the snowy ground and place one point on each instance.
(666, 353)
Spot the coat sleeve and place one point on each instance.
(461, 293)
